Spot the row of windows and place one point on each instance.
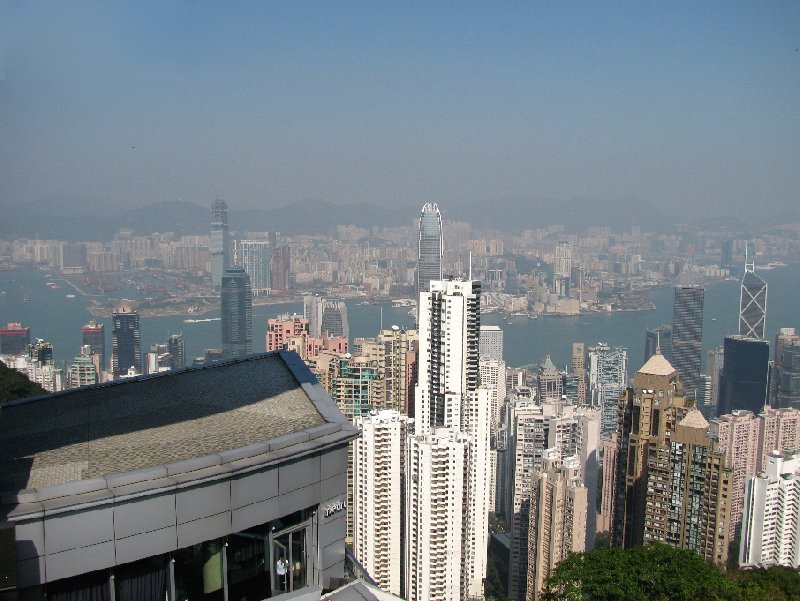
(257, 563)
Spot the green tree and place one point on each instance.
(654, 572)
(778, 583)
(15, 385)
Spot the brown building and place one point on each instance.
(558, 513)
(671, 481)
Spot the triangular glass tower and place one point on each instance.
(752, 303)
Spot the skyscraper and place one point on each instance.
(791, 384)
(378, 498)
(281, 278)
(715, 361)
(431, 247)
(491, 342)
(14, 339)
(726, 258)
(769, 524)
(752, 304)
(608, 376)
(579, 371)
(220, 241)
(449, 334)
(82, 372)
(745, 375)
(236, 313)
(94, 334)
(450, 472)
(558, 518)
(257, 262)
(671, 483)
(687, 335)
(658, 337)
(177, 351)
(334, 319)
(534, 428)
(126, 341)
(738, 436)
(312, 311)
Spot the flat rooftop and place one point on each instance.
(155, 420)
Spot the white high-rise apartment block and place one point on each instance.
(491, 342)
(493, 377)
(256, 258)
(378, 463)
(449, 497)
(437, 517)
(608, 376)
(449, 322)
(771, 520)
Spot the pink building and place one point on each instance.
(608, 450)
(779, 430)
(737, 433)
(283, 327)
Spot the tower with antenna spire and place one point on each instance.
(752, 301)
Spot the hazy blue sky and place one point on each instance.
(264, 103)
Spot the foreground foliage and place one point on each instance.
(15, 385)
(661, 573)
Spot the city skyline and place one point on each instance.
(686, 107)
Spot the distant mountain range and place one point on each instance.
(81, 219)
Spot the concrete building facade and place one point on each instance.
(226, 481)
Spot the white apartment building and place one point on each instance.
(378, 463)
(771, 520)
(493, 376)
(449, 497)
(437, 517)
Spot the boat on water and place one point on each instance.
(70, 296)
(201, 320)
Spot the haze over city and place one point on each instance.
(688, 108)
(431, 302)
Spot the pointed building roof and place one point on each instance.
(657, 365)
(548, 365)
(694, 419)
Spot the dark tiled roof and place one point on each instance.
(129, 425)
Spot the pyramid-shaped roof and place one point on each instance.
(548, 365)
(657, 365)
(694, 419)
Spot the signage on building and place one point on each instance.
(334, 508)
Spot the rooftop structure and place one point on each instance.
(235, 460)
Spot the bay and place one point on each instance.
(58, 319)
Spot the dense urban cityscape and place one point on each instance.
(469, 477)
(379, 301)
